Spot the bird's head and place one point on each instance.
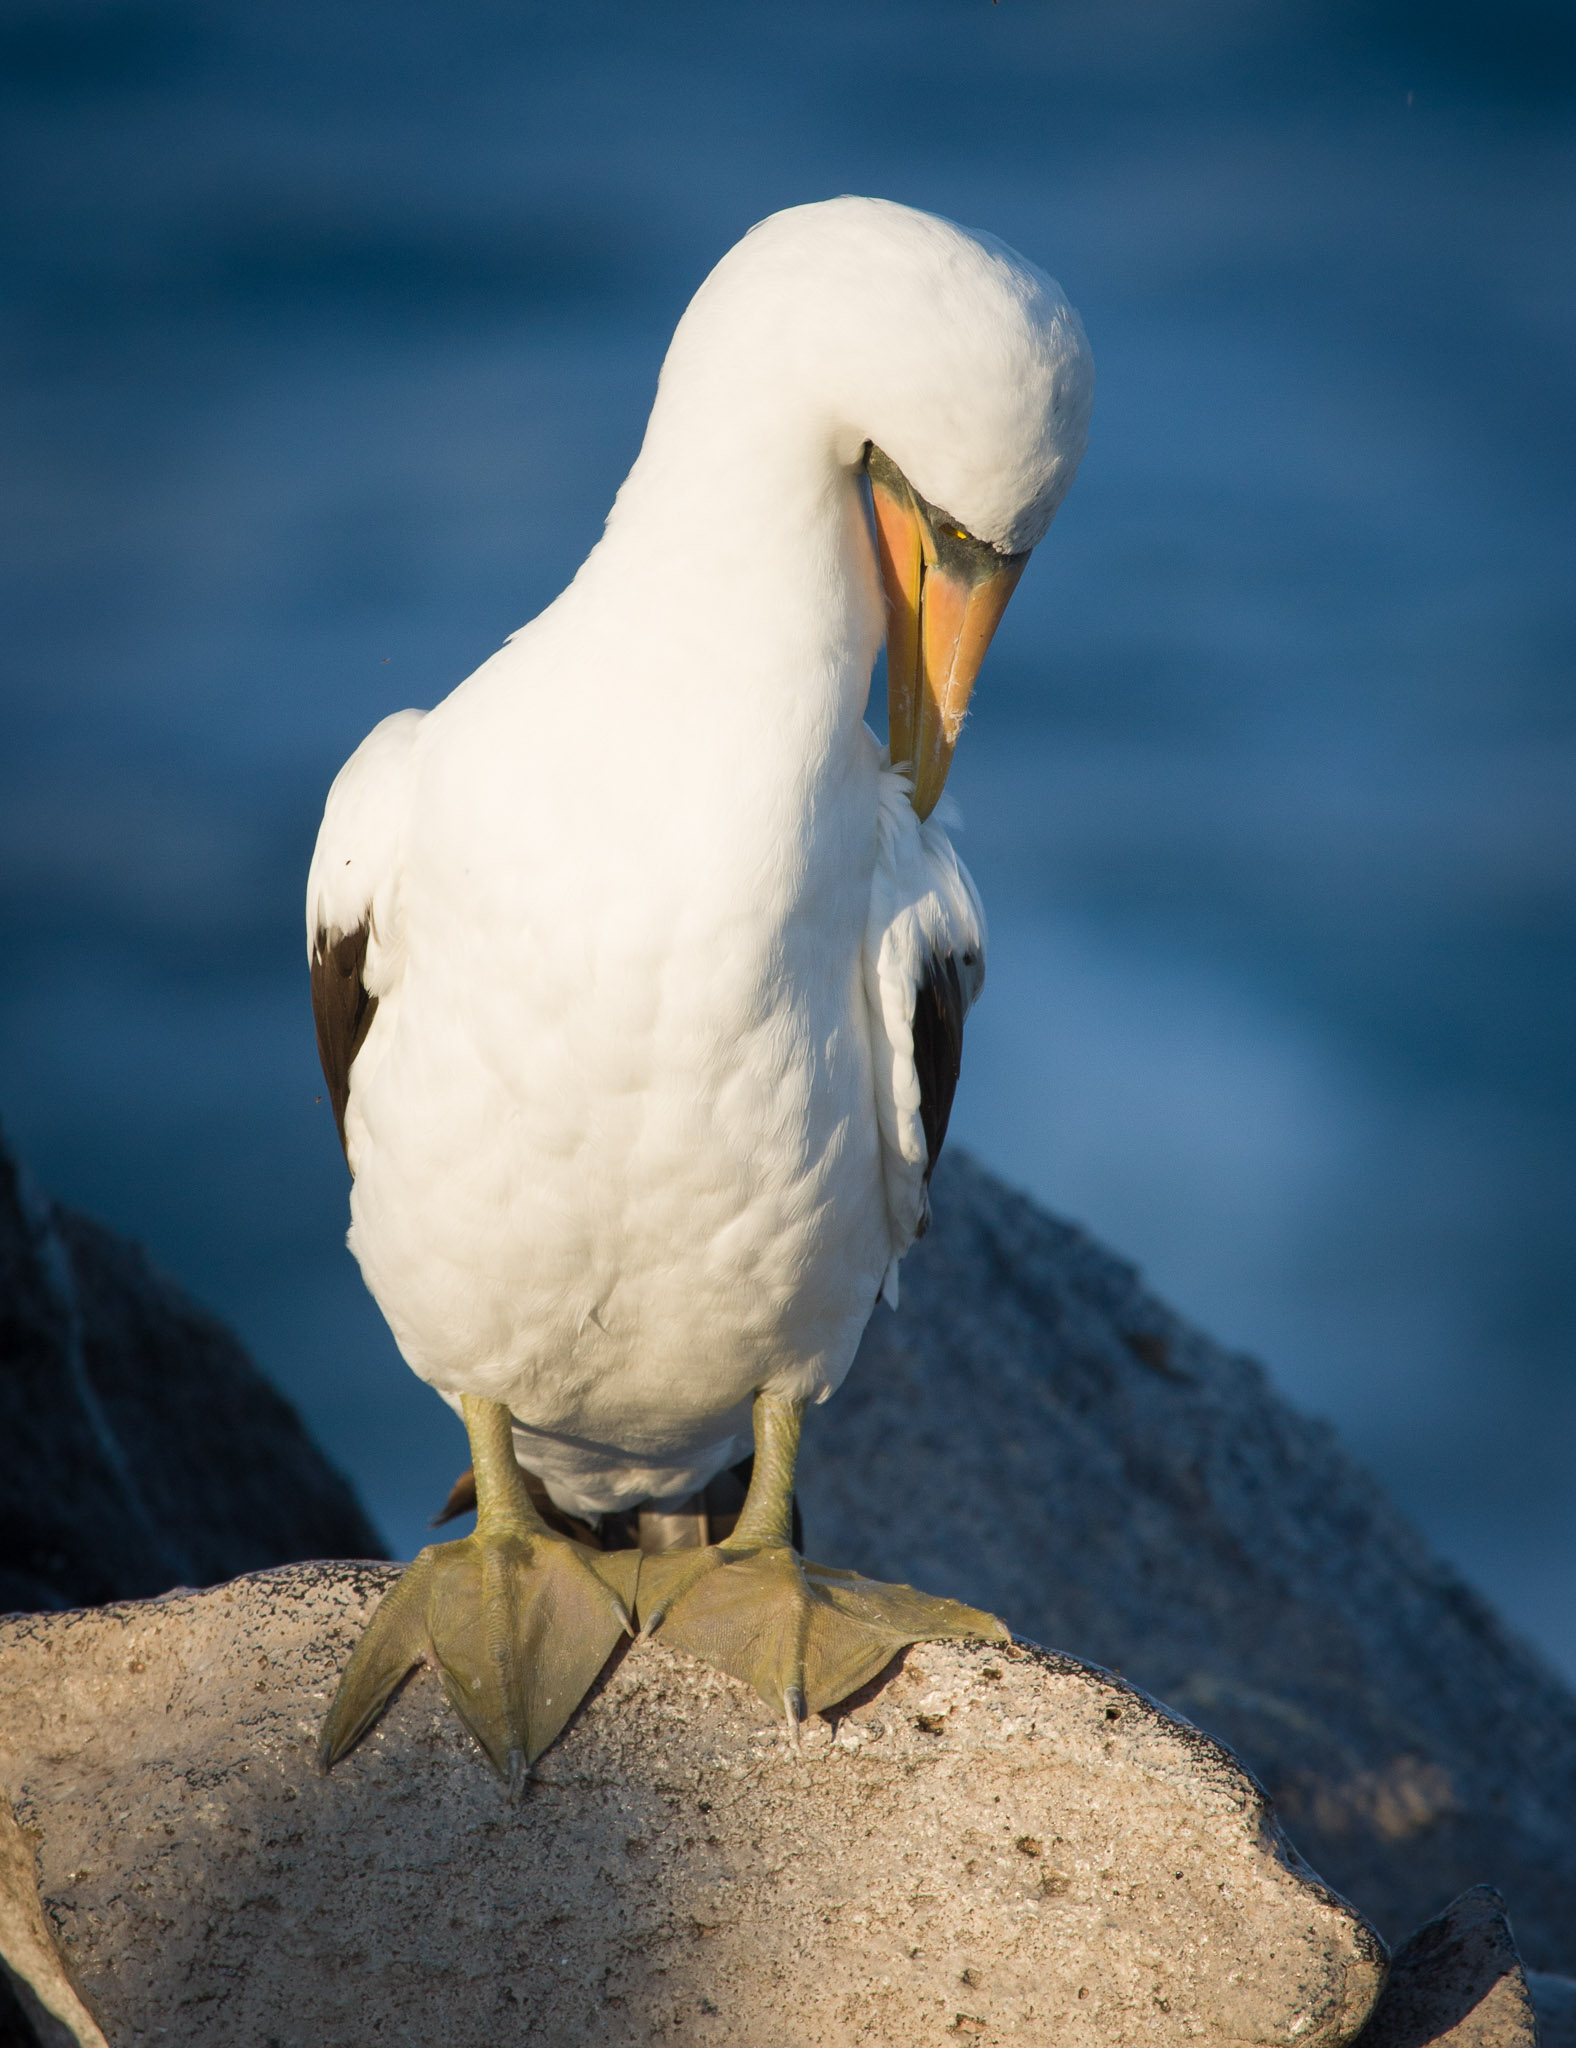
(946, 367)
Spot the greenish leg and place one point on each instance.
(517, 1619)
(805, 1636)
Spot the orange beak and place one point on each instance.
(945, 594)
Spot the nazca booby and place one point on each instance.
(640, 971)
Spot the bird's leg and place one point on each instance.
(803, 1635)
(517, 1619)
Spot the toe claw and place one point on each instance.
(666, 1577)
(619, 1571)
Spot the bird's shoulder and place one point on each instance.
(358, 840)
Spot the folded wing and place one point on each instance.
(352, 904)
(924, 965)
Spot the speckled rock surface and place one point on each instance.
(39, 2006)
(1458, 1982)
(1035, 1433)
(994, 1844)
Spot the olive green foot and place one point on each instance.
(517, 1628)
(517, 1621)
(805, 1636)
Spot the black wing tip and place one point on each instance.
(939, 1010)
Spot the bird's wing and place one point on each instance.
(924, 964)
(352, 901)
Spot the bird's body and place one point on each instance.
(614, 1126)
(639, 975)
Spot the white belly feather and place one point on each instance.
(614, 1134)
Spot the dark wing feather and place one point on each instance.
(342, 1011)
(939, 1008)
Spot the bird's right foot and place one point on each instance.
(517, 1620)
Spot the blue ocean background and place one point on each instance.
(330, 330)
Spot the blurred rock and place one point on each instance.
(142, 1449)
(1036, 1433)
(1554, 2002)
(1458, 1982)
(995, 1842)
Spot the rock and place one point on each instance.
(993, 1844)
(1035, 1433)
(1458, 1982)
(39, 2008)
(142, 1448)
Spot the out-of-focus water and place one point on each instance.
(330, 331)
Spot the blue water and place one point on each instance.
(330, 330)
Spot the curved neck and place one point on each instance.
(736, 580)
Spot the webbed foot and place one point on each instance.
(804, 1635)
(518, 1622)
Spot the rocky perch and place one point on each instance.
(997, 1843)
(991, 1844)
(1036, 1433)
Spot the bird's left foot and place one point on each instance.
(805, 1636)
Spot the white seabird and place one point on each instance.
(640, 971)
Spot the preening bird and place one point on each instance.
(640, 969)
